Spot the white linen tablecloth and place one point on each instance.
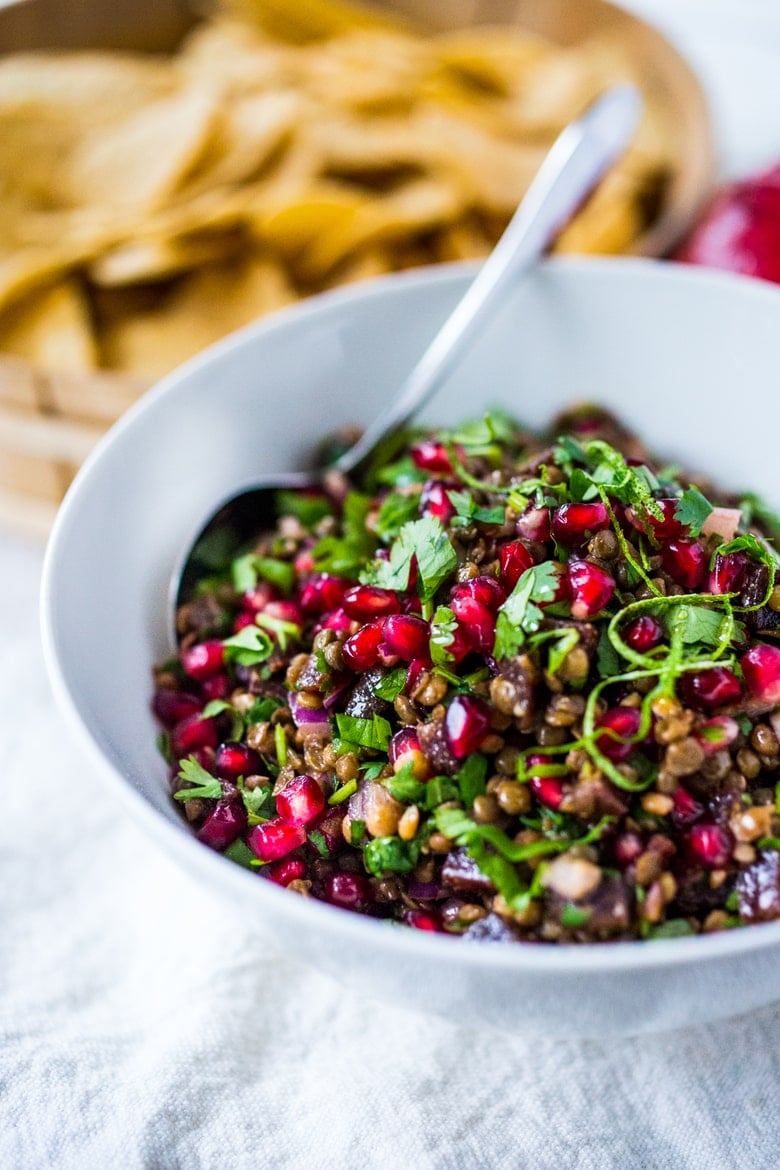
(144, 1024)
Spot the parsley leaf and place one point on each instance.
(248, 647)
(259, 803)
(206, 786)
(519, 616)
(692, 509)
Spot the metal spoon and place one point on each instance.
(577, 160)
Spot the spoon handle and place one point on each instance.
(577, 160)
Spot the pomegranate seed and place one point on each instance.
(236, 759)
(203, 659)
(361, 651)
(477, 623)
(514, 558)
(304, 562)
(685, 561)
(466, 723)
(225, 822)
(300, 801)
(686, 808)
(275, 839)
(460, 645)
(576, 523)
(406, 635)
(349, 890)
(710, 845)
(422, 920)
(485, 590)
(405, 751)
(642, 634)
(257, 599)
(193, 732)
(628, 847)
(662, 529)
(416, 668)
(330, 824)
(548, 790)
(216, 687)
(728, 573)
(624, 722)
(534, 525)
(172, 707)
(431, 456)
(243, 619)
(761, 669)
(321, 593)
(434, 500)
(364, 602)
(590, 587)
(290, 869)
(705, 689)
(336, 620)
(715, 734)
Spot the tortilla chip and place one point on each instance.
(51, 329)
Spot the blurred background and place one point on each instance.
(171, 171)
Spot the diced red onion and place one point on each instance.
(303, 714)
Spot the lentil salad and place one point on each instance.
(513, 687)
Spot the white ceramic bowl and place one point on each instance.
(687, 357)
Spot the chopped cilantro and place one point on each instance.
(248, 569)
(371, 733)
(262, 709)
(673, 928)
(565, 641)
(692, 509)
(259, 803)
(373, 770)
(404, 786)
(284, 631)
(248, 647)
(467, 511)
(424, 540)
(319, 841)
(207, 786)
(345, 555)
(519, 616)
(574, 916)
(221, 706)
(397, 509)
(385, 855)
(443, 629)
(391, 685)
(471, 778)
(308, 507)
(241, 854)
(356, 830)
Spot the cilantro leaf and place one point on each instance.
(371, 733)
(396, 510)
(248, 647)
(319, 841)
(206, 786)
(385, 855)
(404, 786)
(471, 779)
(519, 616)
(468, 511)
(427, 542)
(241, 854)
(308, 507)
(443, 628)
(246, 570)
(692, 509)
(391, 685)
(345, 555)
(262, 709)
(259, 802)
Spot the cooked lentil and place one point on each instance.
(511, 687)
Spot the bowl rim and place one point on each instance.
(183, 846)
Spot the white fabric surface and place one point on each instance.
(142, 1025)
